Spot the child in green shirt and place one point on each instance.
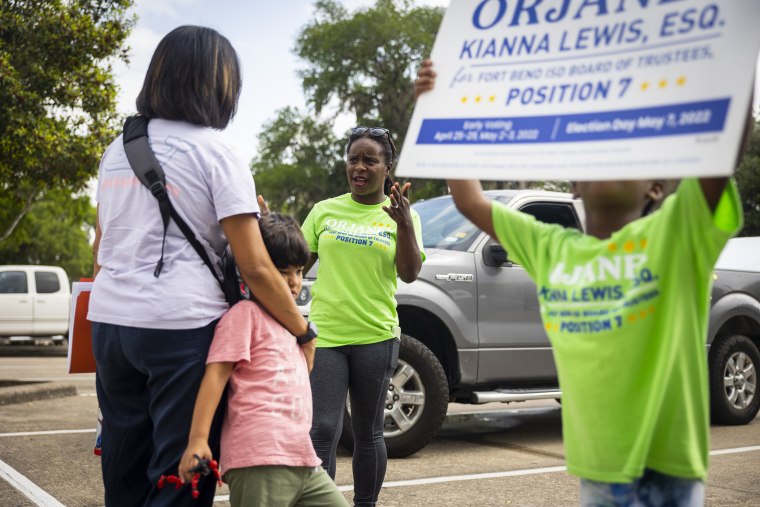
(626, 307)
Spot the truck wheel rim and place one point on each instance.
(740, 380)
(404, 401)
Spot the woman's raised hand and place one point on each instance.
(399, 209)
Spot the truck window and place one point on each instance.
(13, 282)
(444, 227)
(47, 282)
(553, 213)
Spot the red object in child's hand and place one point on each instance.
(171, 479)
(202, 469)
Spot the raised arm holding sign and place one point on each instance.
(625, 305)
(583, 90)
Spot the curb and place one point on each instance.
(29, 350)
(35, 391)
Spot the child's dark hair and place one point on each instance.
(382, 136)
(284, 240)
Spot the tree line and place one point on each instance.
(58, 97)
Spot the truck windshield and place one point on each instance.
(444, 227)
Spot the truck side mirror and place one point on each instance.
(495, 256)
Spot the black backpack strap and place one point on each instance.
(148, 170)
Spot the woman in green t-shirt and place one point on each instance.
(365, 240)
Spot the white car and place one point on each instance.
(34, 301)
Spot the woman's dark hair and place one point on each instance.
(193, 76)
(382, 136)
(284, 240)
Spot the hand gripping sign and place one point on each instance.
(586, 89)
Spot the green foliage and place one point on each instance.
(56, 231)
(300, 162)
(748, 181)
(367, 60)
(364, 62)
(57, 95)
(361, 62)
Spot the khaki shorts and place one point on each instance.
(274, 486)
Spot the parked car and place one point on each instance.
(34, 301)
(734, 333)
(472, 331)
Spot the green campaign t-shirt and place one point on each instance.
(627, 318)
(354, 295)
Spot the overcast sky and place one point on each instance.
(262, 31)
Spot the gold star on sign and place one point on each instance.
(492, 98)
(464, 100)
(645, 85)
(478, 98)
(681, 80)
(663, 83)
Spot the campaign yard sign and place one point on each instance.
(586, 89)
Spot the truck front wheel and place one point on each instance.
(734, 399)
(415, 404)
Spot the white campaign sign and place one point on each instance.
(586, 89)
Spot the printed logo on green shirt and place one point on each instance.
(376, 235)
(604, 294)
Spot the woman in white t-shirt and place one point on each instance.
(151, 334)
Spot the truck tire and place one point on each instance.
(416, 403)
(734, 399)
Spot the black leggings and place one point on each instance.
(365, 370)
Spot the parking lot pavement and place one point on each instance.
(500, 455)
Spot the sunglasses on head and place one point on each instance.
(373, 131)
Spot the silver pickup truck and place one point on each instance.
(472, 331)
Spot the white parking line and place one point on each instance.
(41, 498)
(470, 477)
(52, 379)
(26, 487)
(735, 450)
(495, 475)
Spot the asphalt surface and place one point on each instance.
(492, 455)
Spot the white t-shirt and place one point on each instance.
(207, 181)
